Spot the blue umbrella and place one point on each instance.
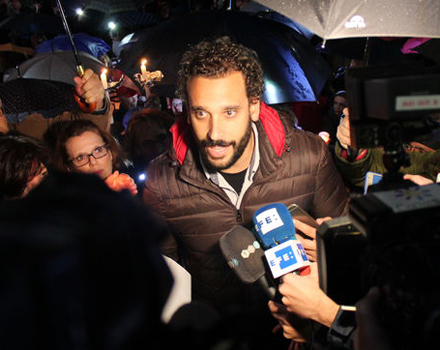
(86, 43)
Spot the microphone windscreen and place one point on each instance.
(273, 225)
(243, 254)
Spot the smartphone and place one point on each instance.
(371, 178)
(298, 213)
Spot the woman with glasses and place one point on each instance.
(81, 146)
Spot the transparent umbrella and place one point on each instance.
(333, 19)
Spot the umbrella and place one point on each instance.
(333, 19)
(371, 50)
(30, 23)
(430, 49)
(112, 6)
(57, 66)
(23, 97)
(85, 43)
(293, 69)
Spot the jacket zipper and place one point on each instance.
(239, 217)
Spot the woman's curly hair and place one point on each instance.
(217, 58)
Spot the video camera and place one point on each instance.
(391, 104)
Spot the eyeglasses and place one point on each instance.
(84, 159)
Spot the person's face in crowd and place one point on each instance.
(220, 114)
(35, 181)
(176, 106)
(16, 5)
(339, 104)
(82, 146)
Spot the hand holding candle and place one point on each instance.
(104, 78)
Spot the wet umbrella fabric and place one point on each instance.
(112, 6)
(24, 97)
(293, 69)
(85, 43)
(56, 66)
(333, 19)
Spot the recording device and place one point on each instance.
(244, 255)
(376, 223)
(275, 230)
(391, 104)
(296, 212)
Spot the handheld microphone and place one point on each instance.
(244, 255)
(275, 230)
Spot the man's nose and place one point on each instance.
(215, 129)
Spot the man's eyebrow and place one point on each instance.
(198, 108)
(202, 108)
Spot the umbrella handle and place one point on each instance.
(85, 107)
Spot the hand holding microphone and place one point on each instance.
(303, 296)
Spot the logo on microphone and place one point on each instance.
(268, 220)
(286, 257)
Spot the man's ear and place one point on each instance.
(255, 108)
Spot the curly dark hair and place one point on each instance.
(217, 58)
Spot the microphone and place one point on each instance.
(275, 230)
(244, 255)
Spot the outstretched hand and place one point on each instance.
(307, 236)
(303, 297)
(120, 181)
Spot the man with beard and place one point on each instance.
(231, 155)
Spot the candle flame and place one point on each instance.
(104, 71)
(144, 62)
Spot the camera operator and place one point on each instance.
(423, 169)
(399, 311)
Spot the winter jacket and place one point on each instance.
(295, 167)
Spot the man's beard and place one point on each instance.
(237, 149)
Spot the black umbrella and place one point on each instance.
(30, 23)
(112, 6)
(294, 71)
(23, 97)
(58, 66)
(431, 50)
(371, 50)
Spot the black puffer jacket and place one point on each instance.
(294, 168)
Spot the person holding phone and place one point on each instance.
(424, 161)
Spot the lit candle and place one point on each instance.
(104, 78)
(144, 67)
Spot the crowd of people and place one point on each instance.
(91, 201)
